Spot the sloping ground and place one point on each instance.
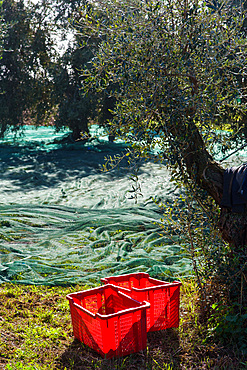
(64, 221)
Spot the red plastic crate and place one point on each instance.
(109, 321)
(164, 297)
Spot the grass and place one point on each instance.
(36, 333)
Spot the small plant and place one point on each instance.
(220, 278)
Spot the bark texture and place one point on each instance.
(208, 174)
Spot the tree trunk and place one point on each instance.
(76, 133)
(208, 175)
(78, 130)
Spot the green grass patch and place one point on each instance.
(36, 333)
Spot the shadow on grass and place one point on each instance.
(162, 349)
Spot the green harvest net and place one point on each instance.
(64, 221)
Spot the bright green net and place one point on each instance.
(64, 221)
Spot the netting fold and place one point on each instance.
(64, 221)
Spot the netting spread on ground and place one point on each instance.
(64, 221)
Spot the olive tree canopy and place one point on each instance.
(178, 73)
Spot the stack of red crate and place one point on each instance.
(114, 319)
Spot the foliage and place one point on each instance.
(229, 325)
(3, 28)
(220, 278)
(73, 110)
(195, 225)
(27, 51)
(41, 68)
(170, 66)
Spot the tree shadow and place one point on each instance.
(29, 167)
(162, 348)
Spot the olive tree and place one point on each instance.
(27, 48)
(177, 71)
(179, 75)
(75, 110)
(40, 68)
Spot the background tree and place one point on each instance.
(75, 109)
(27, 51)
(41, 68)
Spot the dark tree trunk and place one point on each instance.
(208, 174)
(76, 133)
(78, 130)
(233, 227)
